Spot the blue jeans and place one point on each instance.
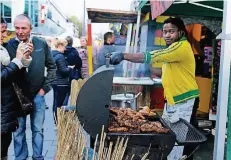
(60, 94)
(37, 118)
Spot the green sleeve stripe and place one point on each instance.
(147, 57)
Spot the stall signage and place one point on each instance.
(42, 14)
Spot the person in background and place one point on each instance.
(72, 58)
(83, 55)
(120, 34)
(48, 40)
(178, 75)
(35, 85)
(61, 83)
(9, 101)
(108, 47)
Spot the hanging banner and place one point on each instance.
(42, 14)
(159, 6)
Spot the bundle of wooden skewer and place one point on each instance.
(71, 143)
(75, 88)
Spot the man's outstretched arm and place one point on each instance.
(117, 57)
(135, 57)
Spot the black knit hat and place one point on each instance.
(3, 20)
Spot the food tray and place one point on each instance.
(186, 133)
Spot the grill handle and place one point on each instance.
(108, 58)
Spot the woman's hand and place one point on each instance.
(24, 50)
(20, 50)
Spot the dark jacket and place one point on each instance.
(102, 52)
(72, 58)
(35, 78)
(9, 101)
(62, 72)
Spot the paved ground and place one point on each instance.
(49, 133)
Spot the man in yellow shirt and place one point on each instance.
(178, 73)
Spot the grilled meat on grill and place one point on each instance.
(131, 124)
(146, 127)
(134, 130)
(146, 111)
(128, 120)
(118, 129)
(114, 124)
(138, 116)
(115, 110)
(141, 121)
(158, 124)
(153, 127)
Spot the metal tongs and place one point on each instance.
(108, 58)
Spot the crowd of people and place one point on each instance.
(25, 60)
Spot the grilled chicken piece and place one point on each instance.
(120, 122)
(131, 124)
(145, 111)
(130, 114)
(114, 124)
(146, 127)
(164, 130)
(118, 129)
(131, 111)
(150, 127)
(158, 124)
(134, 130)
(115, 110)
(138, 116)
(141, 121)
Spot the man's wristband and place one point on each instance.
(147, 57)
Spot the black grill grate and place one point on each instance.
(186, 133)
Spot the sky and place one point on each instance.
(75, 8)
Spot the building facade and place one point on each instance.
(47, 19)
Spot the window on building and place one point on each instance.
(1, 8)
(32, 10)
(6, 10)
(26, 11)
(49, 14)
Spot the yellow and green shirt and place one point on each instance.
(178, 71)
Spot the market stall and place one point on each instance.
(210, 14)
(145, 131)
(125, 69)
(213, 24)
